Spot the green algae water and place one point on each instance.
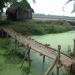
(37, 65)
(63, 39)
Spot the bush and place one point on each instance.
(55, 28)
(39, 28)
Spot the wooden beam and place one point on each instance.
(50, 67)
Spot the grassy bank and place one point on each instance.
(39, 28)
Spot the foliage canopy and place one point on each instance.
(21, 5)
(73, 5)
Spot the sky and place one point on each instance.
(52, 7)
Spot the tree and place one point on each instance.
(69, 2)
(1, 5)
(20, 5)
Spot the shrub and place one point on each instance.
(39, 28)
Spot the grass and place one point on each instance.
(7, 68)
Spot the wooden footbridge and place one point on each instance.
(38, 47)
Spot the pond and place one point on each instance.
(37, 65)
(63, 39)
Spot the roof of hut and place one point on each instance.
(19, 7)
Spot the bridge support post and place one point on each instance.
(28, 53)
(29, 59)
(43, 58)
(74, 48)
(58, 59)
(7, 36)
(15, 43)
(2, 33)
(51, 67)
(72, 69)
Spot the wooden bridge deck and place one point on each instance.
(47, 51)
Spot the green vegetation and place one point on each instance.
(20, 5)
(63, 39)
(39, 28)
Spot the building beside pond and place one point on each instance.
(14, 13)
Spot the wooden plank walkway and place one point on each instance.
(47, 51)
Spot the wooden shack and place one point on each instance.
(13, 13)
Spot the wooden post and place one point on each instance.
(29, 60)
(23, 62)
(28, 53)
(58, 59)
(43, 58)
(59, 47)
(70, 70)
(15, 43)
(50, 68)
(7, 35)
(74, 48)
(28, 57)
(57, 70)
(2, 33)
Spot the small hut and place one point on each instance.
(14, 13)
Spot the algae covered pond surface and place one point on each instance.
(37, 66)
(63, 39)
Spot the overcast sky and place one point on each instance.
(52, 7)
